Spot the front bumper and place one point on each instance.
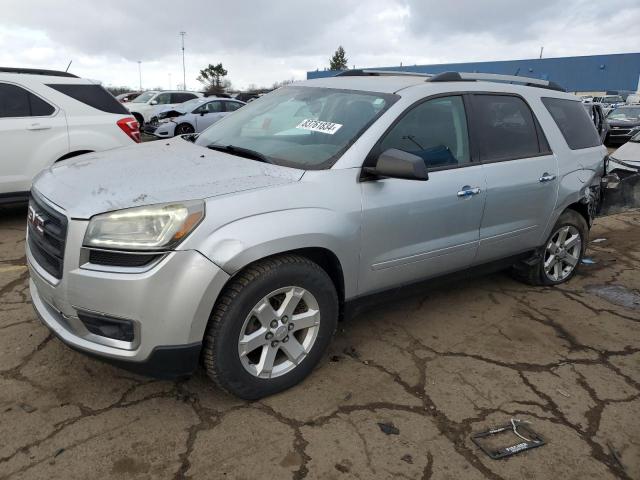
(621, 135)
(169, 303)
(161, 130)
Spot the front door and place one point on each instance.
(209, 113)
(412, 230)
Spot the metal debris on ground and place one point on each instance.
(599, 240)
(528, 439)
(588, 261)
(389, 428)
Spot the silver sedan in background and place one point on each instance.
(192, 116)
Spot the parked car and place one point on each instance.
(609, 102)
(633, 99)
(624, 123)
(127, 97)
(47, 116)
(145, 104)
(599, 119)
(191, 117)
(627, 157)
(243, 250)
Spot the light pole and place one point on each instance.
(140, 73)
(184, 75)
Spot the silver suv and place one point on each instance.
(242, 246)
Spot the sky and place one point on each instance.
(261, 42)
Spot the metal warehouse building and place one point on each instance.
(592, 73)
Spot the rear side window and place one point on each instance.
(505, 127)
(18, 102)
(181, 97)
(232, 106)
(93, 95)
(574, 123)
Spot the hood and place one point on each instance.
(628, 153)
(623, 123)
(154, 172)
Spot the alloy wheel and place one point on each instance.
(562, 253)
(279, 332)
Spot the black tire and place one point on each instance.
(140, 120)
(535, 274)
(184, 129)
(220, 348)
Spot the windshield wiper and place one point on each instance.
(240, 151)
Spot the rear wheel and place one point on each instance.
(562, 252)
(270, 326)
(184, 128)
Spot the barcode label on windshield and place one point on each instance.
(318, 126)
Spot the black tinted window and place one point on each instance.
(574, 123)
(39, 108)
(181, 97)
(93, 95)
(435, 130)
(505, 128)
(18, 102)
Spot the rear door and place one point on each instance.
(521, 173)
(31, 132)
(418, 229)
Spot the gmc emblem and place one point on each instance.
(35, 220)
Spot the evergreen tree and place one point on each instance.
(339, 60)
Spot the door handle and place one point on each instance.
(546, 177)
(468, 191)
(38, 126)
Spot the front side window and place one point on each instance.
(435, 130)
(163, 99)
(573, 122)
(18, 102)
(505, 128)
(300, 127)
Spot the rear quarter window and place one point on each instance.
(93, 95)
(573, 121)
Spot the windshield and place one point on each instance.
(628, 114)
(144, 98)
(300, 127)
(189, 105)
(612, 99)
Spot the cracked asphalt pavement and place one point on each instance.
(397, 396)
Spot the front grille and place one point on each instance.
(620, 131)
(47, 235)
(117, 259)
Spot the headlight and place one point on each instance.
(154, 227)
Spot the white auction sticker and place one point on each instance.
(318, 126)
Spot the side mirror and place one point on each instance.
(394, 163)
(153, 102)
(202, 113)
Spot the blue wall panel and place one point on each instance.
(576, 74)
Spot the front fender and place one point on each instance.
(243, 241)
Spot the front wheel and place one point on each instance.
(183, 129)
(562, 252)
(270, 327)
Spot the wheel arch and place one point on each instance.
(73, 154)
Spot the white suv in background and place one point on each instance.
(146, 104)
(47, 116)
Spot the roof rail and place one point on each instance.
(380, 73)
(494, 77)
(37, 71)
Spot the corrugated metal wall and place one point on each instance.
(576, 74)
